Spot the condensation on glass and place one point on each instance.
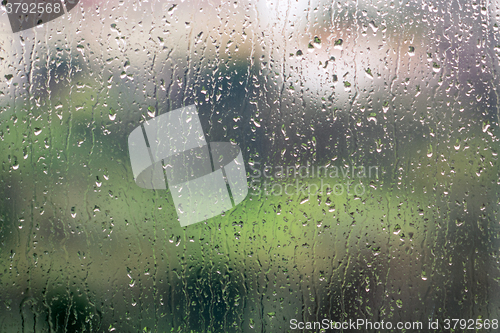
(369, 136)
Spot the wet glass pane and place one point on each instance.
(249, 166)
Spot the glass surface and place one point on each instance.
(367, 133)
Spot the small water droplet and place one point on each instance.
(435, 67)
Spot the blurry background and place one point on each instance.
(408, 87)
